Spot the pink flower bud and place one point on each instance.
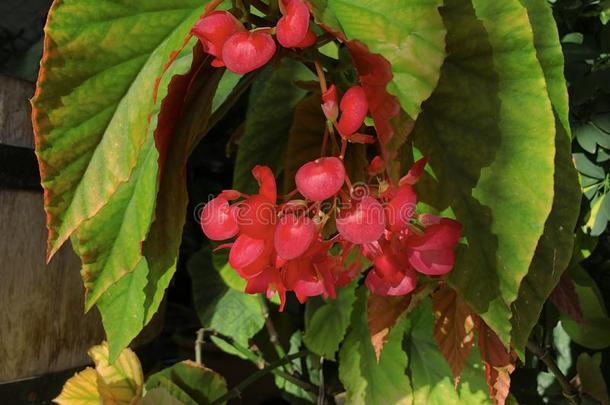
(218, 220)
(293, 27)
(321, 178)
(330, 106)
(248, 252)
(363, 223)
(244, 52)
(309, 40)
(354, 108)
(293, 236)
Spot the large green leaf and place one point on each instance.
(326, 321)
(220, 307)
(189, 382)
(366, 380)
(554, 249)
(95, 96)
(550, 55)
(270, 108)
(489, 133)
(109, 242)
(410, 35)
(431, 377)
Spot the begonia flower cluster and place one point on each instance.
(317, 237)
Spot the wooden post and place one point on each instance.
(42, 326)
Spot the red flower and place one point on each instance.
(362, 223)
(213, 30)
(244, 52)
(354, 108)
(219, 220)
(320, 179)
(432, 252)
(293, 28)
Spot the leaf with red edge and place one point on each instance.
(142, 289)
(453, 329)
(499, 363)
(94, 98)
(382, 314)
(564, 297)
(109, 243)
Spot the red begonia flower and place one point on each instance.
(362, 223)
(244, 52)
(309, 40)
(213, 30)
(432, 253)
(293, 236)
(292, 28)
(354, 108)
(321, 178)
(266, 182)
(268, 282)
(218, 219)
(414, 173)
(257, 217)
(401, 208)
(249, 253)
(379, 286)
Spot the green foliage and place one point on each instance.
(593, 333)
(483, 153)
(431, 377)
(189, 383)
(222, 307)
(410, 36)
(327, 322)
(95, 95)
(365, 379)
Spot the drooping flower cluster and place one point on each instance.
(225, 38)
(315, 244)
(280, 246)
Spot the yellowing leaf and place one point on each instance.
(119, 383)
(80, 389)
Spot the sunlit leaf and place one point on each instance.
(80, 389)
(493, 158)
(365, 379)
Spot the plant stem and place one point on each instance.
(260, 363)
(273, 336)
(198, 343)
(238, 389)
(569, 392)
(321, 76)
(321, 399)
